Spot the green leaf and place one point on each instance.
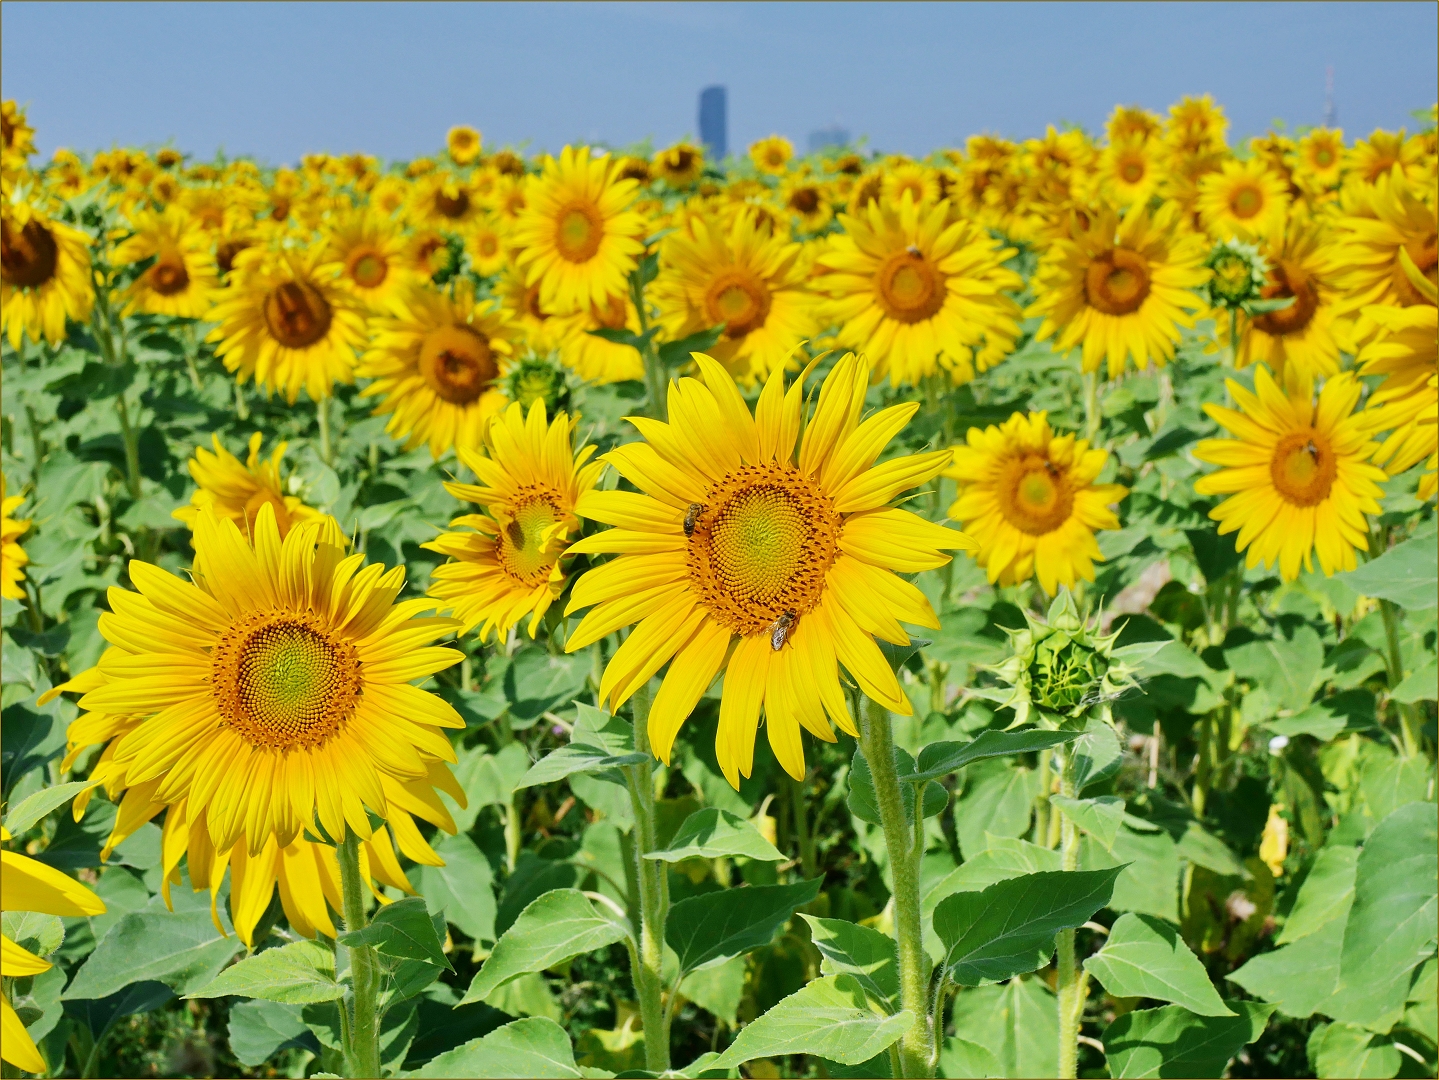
(1290, 671)
(941, 758)
(862, 952)
(726, 923)
(1345, 1051)
(1008, 929)
(29, 810)
(1174, 1042)
(555, 927)
(713, 833)
(1100, 817)
(1144, 957)
(183, 951)
(261, 1029)
(1391, 926)
(405, 930)
(300, 973)
(533, 1047)
(1407, 574)
(1017, 1024)
(862, 802)
(1325, 895)
(828, 1018)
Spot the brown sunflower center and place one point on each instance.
(738, 299)
(1246, 201)
(909, 287)
(168, 276)
(29, 255)
(521, 546)
(1035, 495)
(283, 680)
(1426, 261)
(458, 364)
(452, 202)
(367, 267)
(804, 200)
(1285, 280)
(1117, 281)
(1303, 467)
(578, 231)
(297, 315)
(761, 546)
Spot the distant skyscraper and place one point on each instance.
(830, 136)
(713, 131)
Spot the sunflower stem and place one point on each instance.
(1070, 988)
(654, 894)
(362, 1050)
(904, 846)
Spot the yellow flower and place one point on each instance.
(918, 294)
(30, 885)
(463, 144)
(287, 324)
(772, 155)
(1297, 474)
(437, 364)
(751, 283)
(1244, 199)
(44, 275)
(1120, 289)
(12, 556)
(739, 554)
(508, 562)
(1028, 498)
(371, 256)
(579, 240)
(236, 492)
(680, 165)
(183, 278)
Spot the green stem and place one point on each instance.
(1070, 991)
(904, 845)
(654, 889)
(322, 409)
(362, 1051)
(808, 862)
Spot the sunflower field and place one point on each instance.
(621, 614)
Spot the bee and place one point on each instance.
(783, 626)
(692, 516)
(516, 533)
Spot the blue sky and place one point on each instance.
(276, 80)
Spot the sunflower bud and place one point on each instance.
(538, 378)
(1238, 273)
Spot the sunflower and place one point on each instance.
(437, 364)
(235, 491)
(579, 240)
(287, 324)
(1121, 289)
(12, 556)
(1319, 162)
(1028, 498)
(1129, 172)
(1384, 219)
(1301, 342)
(1377, 156)
(463, 145)
(270, 691)
(591, 357)
(30, 885)
(183, 278)
(1297, 474)
(485, 243)
(508, 562)
(772, 155)
(808, 201)
(919, 294)
(679, 166)
(751, 283)
(44, 274)
(371, 254)
(1244, 199)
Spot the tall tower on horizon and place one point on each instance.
(713, 122)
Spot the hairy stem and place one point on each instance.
(362, 1050)
(654, 890)
(904, 847)
(1071, 997)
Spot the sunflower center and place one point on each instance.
(1303, 467)
(1287, 280)
(458, 364)
(282, 679)
(762, 546)
(739, 300)
(367, 268)
(578, 232)
(1246, 202)
(296, 314)
(168, 276)
(908, 287)
(521, 547)
(1117, 281)
(1035, 496)
(29, 255)
(452, 205)
(804, 200)
(1426, 261)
